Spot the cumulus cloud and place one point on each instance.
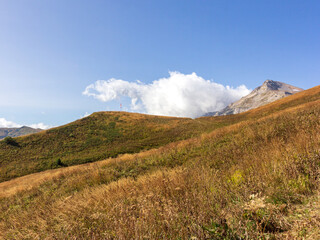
(8, 124)
(182, 95)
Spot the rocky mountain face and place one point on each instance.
(16, 132)
(270, 91)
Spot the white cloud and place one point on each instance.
(39, 125)
(8, 124)
(182, 95)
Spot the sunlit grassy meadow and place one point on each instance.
(253, 176)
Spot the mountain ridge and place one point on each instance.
(268, 92)
(17, 132)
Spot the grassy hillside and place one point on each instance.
(108, 134)
(256, 179)
(99, 136)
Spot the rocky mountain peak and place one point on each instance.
(270, 85)
(268, 92)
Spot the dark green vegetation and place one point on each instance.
(16, 132)
(10, 141)
(256, 179)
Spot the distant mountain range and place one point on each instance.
(16, 132)
(270, 91)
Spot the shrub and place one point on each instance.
(57, 163)
(11, 141)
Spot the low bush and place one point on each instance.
(11, 141)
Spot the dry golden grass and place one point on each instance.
(305, 220)
(109, 134)
(11, 187)
(256, 179)
(14, 186)
(247, 181)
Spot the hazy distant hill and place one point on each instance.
(16, 132)
(270, 91)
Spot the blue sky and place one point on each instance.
(51, 51)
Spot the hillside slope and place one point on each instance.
(96, 137)
(249, 180)
(16, 132)
(268, 92)
(108, 134)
